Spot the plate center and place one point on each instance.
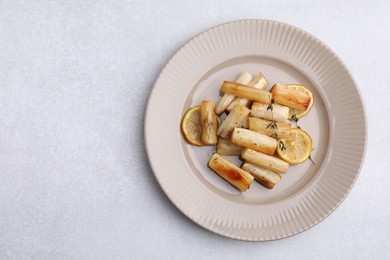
(316, 123)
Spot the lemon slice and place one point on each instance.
(303, 92)
(191, 127)
(295, 148)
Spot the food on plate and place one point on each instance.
(264, 160)
(270, 128)
(251, 139)
(226, 148)
(235, 117)
(190, 126)
(261, 135)
(243, 91)
(295, 148)
(275, 112)
(265, 177)
(244, 122)
(208, 122)
(244, 78)
(297, 97)
(258, 82)
(230, 172)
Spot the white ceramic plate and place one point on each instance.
(307, 193)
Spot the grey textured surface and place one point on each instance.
(75, 182)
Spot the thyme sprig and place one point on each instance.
(273, 124)
(295, 119)
(270, 107)
(311, 160)
(281, 146)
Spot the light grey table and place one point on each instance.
(74, 81)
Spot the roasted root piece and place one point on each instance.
(269, 128)
(230, 172)
(233, 120)
(278, 113)
(244, 122)
(258, 82)
(294, 96)
(208, 121)
(265, 177)
(244, 91)
(226, 148)
(253, 140)
(226, 99)
(264, 160)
